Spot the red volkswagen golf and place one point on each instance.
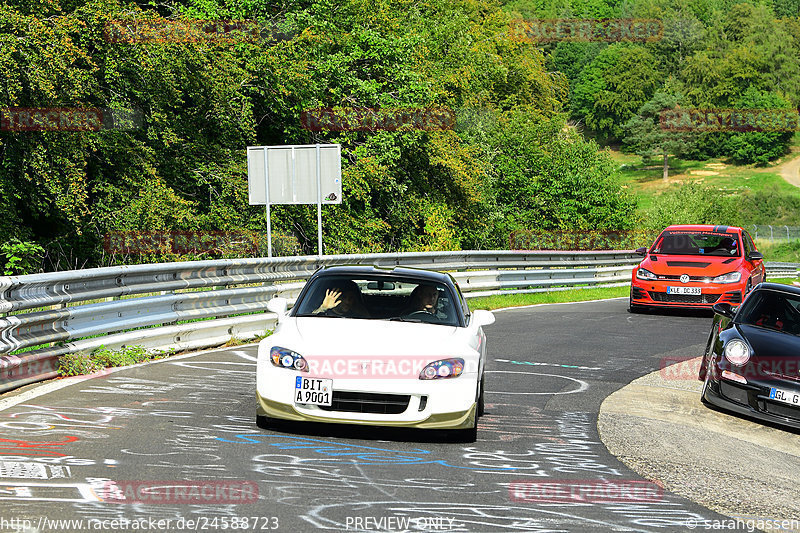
(696, 266)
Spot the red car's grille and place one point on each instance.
(684, 298)
(365, 402)
(670, 277)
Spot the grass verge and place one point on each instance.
(784, 252)
(571, 295)
(549, 297)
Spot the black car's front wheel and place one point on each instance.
(706, 384)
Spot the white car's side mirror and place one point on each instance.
(278, 306)
(482, 317)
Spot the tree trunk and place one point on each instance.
(666, 167)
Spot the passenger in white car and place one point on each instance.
(343, 300)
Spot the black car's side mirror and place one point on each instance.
(755, 256)
(641, 251)
(723, 309)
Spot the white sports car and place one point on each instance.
(377, 346)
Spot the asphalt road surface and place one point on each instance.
(93, 452)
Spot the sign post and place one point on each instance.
(295, 174)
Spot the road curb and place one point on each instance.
(660, 430)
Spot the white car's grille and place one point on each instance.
(366, 402)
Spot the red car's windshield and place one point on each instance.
(697, 243)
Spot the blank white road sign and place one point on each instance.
(291, 172)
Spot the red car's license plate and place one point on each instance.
(684, 290)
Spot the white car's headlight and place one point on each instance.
(444, 368)
(643, 273)
(730, 277)
(737, 352)
(285, 358)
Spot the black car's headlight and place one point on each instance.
(643, 273)
(444, 368)
(737, 352)
(285, 358)
(730, 277)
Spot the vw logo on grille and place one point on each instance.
(684, 278)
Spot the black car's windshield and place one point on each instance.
(697, 243)
(381, 298)
(774, 310)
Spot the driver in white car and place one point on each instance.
(424, 298)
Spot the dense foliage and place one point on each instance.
(509, 162)
(714, 54)
(515, 159)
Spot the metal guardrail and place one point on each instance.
(74, 311)
(782, 270)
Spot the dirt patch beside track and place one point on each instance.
(734, 466)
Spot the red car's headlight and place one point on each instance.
(643, 273)
(730, 277)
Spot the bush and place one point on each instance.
(76, 364)
(80, 363)
(21, 257)
(691, 203)
(127, 355)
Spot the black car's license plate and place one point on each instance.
(784, 396)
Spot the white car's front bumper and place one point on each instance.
(432, 404)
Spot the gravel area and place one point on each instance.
(657, 426)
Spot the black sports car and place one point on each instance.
(752, 360)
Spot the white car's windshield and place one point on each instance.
(381, 298)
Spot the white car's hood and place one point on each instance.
(346, 336)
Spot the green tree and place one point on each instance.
(646, 136)
(760, 146)
(547, 177)
(619, 80)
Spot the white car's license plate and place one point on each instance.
(684, 290)
(313, 391)
(785, 396)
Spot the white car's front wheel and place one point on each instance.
(481, 406)
(264, 422)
